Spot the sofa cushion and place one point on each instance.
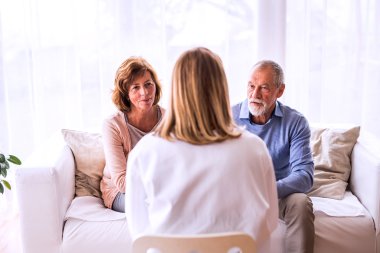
(344, 234)
(89, 158)
(350, 233)
(96, 236)
(331, 148)
(90, 208)
(349, 206)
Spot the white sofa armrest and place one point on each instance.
(365, 177)
(44, 195)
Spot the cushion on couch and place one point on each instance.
(331, 148)
(89, 158)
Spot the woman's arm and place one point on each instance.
(115, 151)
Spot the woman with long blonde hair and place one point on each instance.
(197, 172)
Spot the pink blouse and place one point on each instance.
(119, 138)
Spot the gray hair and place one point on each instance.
(279, 73)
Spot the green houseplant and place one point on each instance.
(4, 167)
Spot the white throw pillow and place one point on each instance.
(332, 148)
(89, 158)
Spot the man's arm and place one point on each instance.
(300, 160)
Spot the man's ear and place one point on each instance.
(281, 90)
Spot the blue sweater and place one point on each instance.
(287, 135)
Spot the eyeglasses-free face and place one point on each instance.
(142, 92)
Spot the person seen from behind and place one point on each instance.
(197, 172)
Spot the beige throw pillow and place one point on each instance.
(89, 158)
(331, 150)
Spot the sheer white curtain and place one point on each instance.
(58, 57)
(333, 61)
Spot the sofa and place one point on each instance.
(55, 218)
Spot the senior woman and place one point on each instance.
(197, 172)
(136, 93)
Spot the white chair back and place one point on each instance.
(231, 242)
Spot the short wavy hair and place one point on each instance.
(128, 71)
(199, 111)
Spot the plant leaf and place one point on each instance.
(14, 159)
(6, 164)
(2, 158)
(7, 184)
(3, 172)
(1, 188)
(3, 166)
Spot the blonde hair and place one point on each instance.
(128, 71)
(199, 111)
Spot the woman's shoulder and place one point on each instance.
(115, 124)
(117, 115)
(114, 118)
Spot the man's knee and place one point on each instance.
(299, 201)
(298, 205)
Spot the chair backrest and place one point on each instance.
(201, 243)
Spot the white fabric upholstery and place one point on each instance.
(96, 237)
(365, 178)
(349, 206)
(45, 195)
(90, 208)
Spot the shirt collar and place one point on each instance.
(244, 111)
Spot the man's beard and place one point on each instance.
(257, 110)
